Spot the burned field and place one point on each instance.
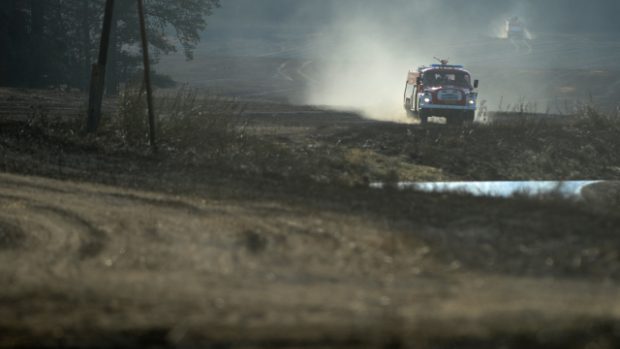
(254, 226)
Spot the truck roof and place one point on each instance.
(424, 69)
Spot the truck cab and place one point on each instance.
(515, 29)
(441, 90)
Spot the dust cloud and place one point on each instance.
(366, 52)
(355, 54)
(367, 48)
(364, 71)
(364, 56)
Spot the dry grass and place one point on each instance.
(185, 119)
(208, 133)
(586, 147)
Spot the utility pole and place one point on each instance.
(97, 82)
(147, 75)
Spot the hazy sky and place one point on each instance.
(546, 15)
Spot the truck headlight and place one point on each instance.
(427, 98)
(471, 99)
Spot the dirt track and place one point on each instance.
(86, 263)
(174, 252)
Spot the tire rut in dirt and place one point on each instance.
(161, 203)
(93, 240)
(11, 236)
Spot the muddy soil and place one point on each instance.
(279, 242)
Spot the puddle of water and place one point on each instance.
(497, 189)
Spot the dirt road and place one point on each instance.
(87, 264)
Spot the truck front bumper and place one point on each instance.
(436, 107)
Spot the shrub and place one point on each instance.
(185, 120)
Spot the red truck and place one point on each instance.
(515, 29)
(442, 90)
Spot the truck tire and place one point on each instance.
(424, 115)
(462, 118)
(469, 117)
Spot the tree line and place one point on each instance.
(54, 42)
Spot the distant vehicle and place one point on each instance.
(515, 29)
(441, 90)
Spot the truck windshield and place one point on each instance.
(438, 78)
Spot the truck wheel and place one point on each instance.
(411, 113)
(461, 118)
(469, 117)
(424, 117)
(454, 120)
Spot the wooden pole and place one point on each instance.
(147, 75)
(97, 81)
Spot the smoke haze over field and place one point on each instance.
(544, 15)
(372, 45)
(356, 53)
